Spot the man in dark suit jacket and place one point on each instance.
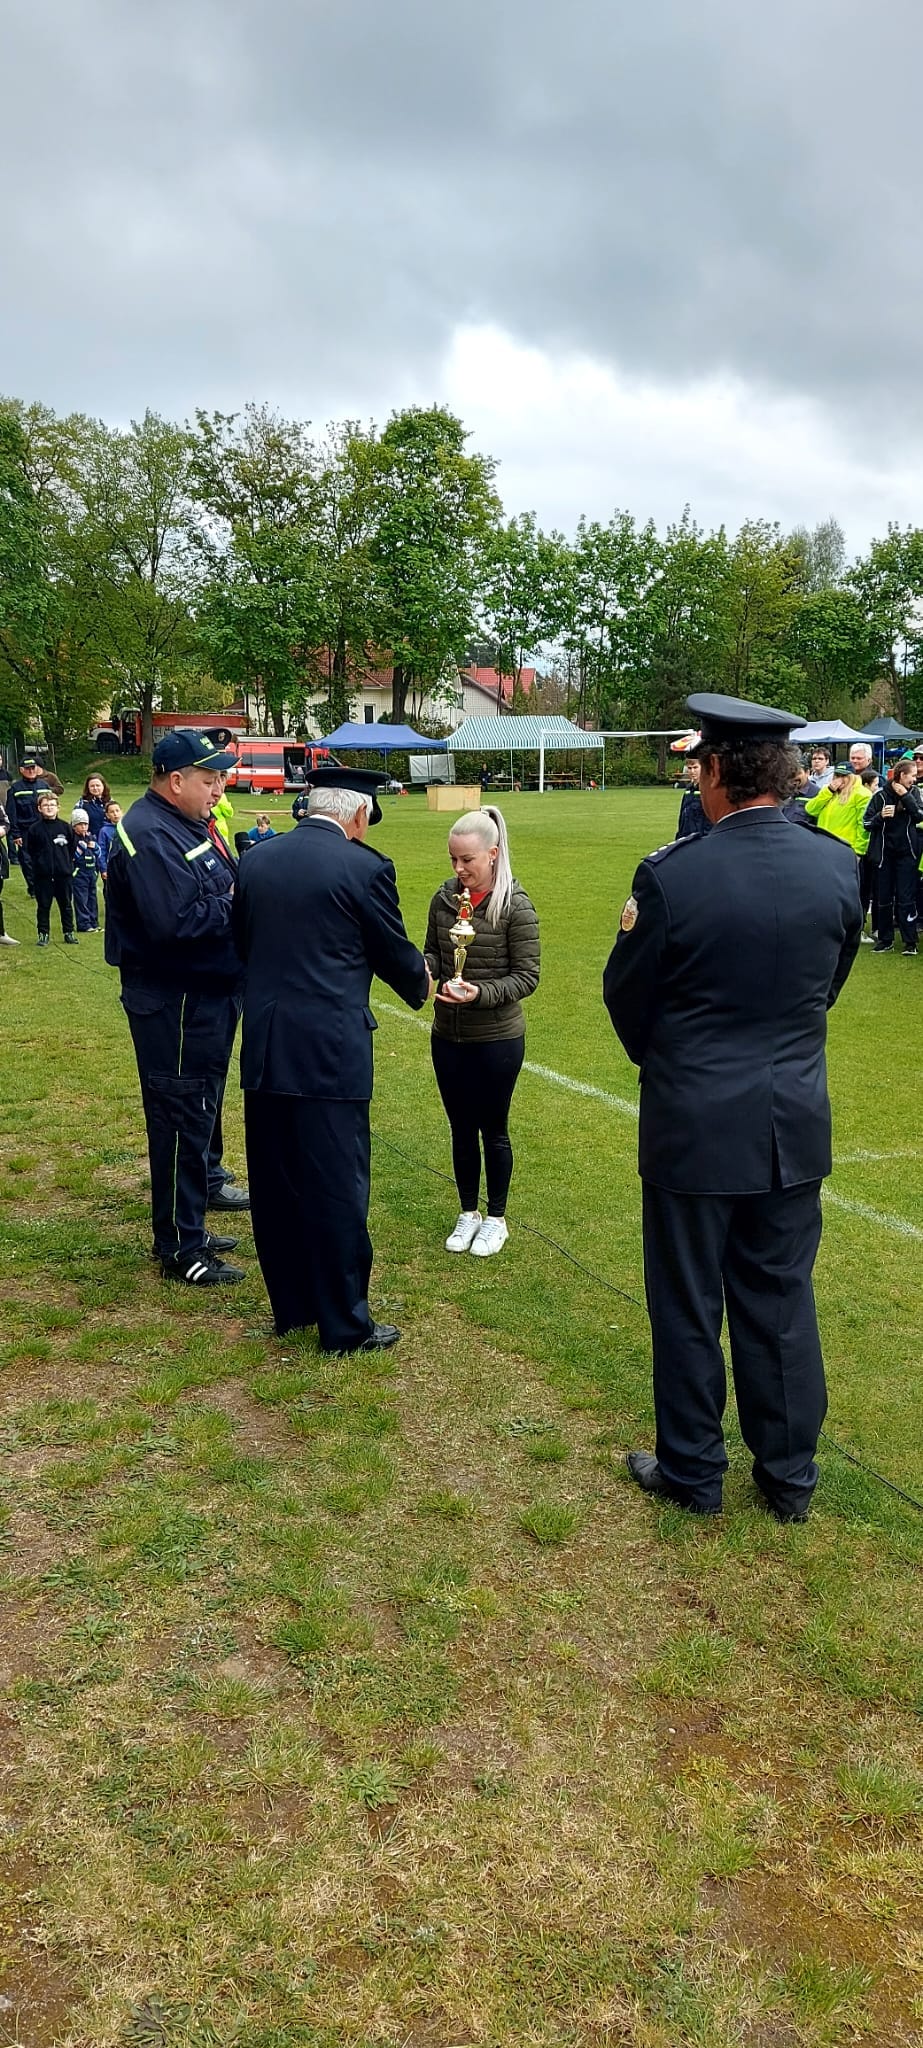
(731, 951)
(315, 917)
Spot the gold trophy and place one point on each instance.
(462, 935)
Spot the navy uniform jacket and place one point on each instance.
(316, 916)
(719, 989)
(168, 904)
(693, 823)
(22, 803)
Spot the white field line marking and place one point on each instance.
(880, 1217)
(860, 1158)
(617, 1102)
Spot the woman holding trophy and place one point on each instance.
(482, 947)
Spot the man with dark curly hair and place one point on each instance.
(732, 949)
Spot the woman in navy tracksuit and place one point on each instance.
(894, 821)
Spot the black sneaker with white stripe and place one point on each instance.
(202, 1269)
(213, 1247)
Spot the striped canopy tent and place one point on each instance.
(523, 735)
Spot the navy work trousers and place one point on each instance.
(182, 1046)
(86, 906)
(308, 1171)
(753, 1256)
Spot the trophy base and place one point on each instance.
(456, 985)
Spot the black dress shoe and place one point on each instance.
(380, 1338)
(383, 1335)
(229, 1197)
(646, 1473)
(781, 1511)
(201, 1270)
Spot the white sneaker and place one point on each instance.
(466, 1230)
(6, 940)
(867, 939)
(491, 1238)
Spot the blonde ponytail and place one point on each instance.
(488, 827)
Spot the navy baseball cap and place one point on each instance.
(725, 719)
(183, 748)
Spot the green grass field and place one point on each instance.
(369, 1702)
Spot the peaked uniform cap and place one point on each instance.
(725, 719)
(365, 782)
(183, 748)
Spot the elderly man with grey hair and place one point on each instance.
(315, 918)
(861, 755)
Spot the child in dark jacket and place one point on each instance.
(50, 844)
(87, 865)
(108, 832)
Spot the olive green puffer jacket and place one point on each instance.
(503, 961)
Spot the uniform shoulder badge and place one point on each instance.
(672, 846)
(629, 917)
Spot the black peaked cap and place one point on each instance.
(365, 781)
(723, 719)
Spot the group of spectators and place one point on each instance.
(879, 815)
(62, 861)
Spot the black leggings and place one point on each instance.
(476, 1083)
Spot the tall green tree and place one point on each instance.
(678, 633)
(134, 490)
(756, 605)
(58, 669)
(818, 556)
(888, 582)
(346, 500)
(274, 530)
(432, 507)
(611, 571)
(522, 579)
(831, 640)
(23, 589)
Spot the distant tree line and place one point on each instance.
(173, 566)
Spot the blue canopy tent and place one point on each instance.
(380, 739)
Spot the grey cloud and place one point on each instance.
(207, 201)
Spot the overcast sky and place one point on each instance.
(651, 251)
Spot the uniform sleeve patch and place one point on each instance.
(629, 917)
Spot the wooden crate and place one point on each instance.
(453, 796)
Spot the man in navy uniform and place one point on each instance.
(169, 891)
(316, 916)
(22, 810)
(732, 949)
(692, 822)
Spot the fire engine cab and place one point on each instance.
(264, 765)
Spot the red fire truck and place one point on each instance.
(122, 734)
(266, 765)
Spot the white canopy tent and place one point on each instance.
(523, 735)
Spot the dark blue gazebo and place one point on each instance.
(380, 739)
